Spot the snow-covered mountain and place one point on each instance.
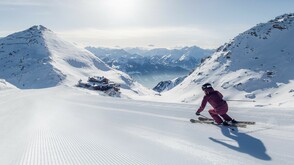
(168, 84)
(256, 64)
(5, 85)
(154, 65)
(38, 58)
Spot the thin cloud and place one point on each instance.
(163, 36)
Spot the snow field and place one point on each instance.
(68, 126)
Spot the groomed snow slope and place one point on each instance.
(64, 125)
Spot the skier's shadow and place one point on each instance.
(246, 143)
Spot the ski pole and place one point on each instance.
(204, 116)
(243, 100)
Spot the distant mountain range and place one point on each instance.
(257, 64)
(153, 65)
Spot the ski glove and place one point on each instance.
(197, 113)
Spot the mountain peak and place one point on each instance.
(39, 28)
(35, 32)
(283, 17)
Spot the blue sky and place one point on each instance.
(132, 23)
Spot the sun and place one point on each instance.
(120, 9)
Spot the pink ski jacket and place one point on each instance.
(215, 99)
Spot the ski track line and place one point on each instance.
(134, 112)
(180, 119)
(172, 106)
(49, 148)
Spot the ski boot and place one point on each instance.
(225, 123)
(233, 122)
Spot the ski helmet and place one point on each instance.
(206, 86)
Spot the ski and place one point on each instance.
(211, 122)
(239, 122)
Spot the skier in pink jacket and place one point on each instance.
(220, 106)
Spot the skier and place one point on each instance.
(220, 106)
